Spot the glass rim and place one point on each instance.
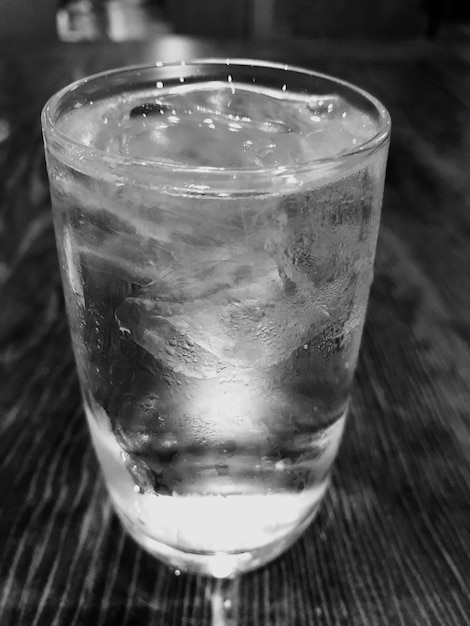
(363, 149)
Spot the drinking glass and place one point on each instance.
(216, 224)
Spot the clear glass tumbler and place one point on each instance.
(216, 224)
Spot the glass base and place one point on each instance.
(215, 564)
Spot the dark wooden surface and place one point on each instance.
(392, 542)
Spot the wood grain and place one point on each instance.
(391, 544)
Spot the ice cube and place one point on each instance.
(163, 339)
(323, 232)
(240, 127)
(233, 128)
(219, 124)
(253, 321)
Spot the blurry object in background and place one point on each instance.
(262, 19)
(135, 19)
(118, 20)
(81, 20)
(212, 18)
(27, 19)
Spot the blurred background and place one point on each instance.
(121, 20)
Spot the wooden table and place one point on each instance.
(392, 542)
